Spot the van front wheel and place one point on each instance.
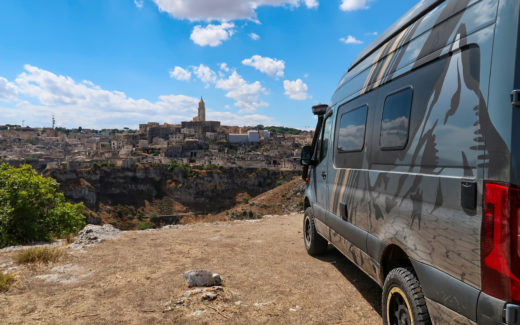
(403, 299)
(314, 243)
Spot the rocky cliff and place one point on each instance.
(178, 189)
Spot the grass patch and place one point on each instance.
(145, 226)
(70, 238)
(5, 281)
(39, 255)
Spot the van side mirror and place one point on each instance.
(306, 158)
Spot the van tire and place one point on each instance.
(314, 243)
(403, 292)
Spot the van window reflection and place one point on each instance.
(326, 138)
(352, 130)
(396, 120)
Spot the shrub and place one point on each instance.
(29, 160)
(145, 225)
(174, 164)
(5, 281)
(39, 255)
(31, 209)
(97, 165)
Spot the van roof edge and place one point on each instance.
(419, 10)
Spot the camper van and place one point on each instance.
(414, 170)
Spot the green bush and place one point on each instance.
(97, 165)
(145, 226)
(31, 209)
(30, 160)
(174, 164)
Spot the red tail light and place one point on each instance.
(499, 243)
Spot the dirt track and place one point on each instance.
(138, 278)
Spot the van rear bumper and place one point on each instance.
(490, 311)
(450, 299)
(512, 314)
(495, 311)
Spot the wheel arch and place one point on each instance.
(306, 203)
(393, 257)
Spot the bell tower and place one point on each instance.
(202, 111)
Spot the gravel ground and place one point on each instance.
(138, 278)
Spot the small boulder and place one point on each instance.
(202, 278)
(209, 296)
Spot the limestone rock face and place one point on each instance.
(92, 234)
(202, 192)
(202, 278)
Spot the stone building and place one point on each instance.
(201, 117)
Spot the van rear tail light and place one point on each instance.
(500, 251)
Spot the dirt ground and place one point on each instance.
(138, 278)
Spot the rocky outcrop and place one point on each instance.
(201, 191)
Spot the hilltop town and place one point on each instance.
(196, 142)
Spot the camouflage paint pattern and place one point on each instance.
(412, 197)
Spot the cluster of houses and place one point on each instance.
(197, 142)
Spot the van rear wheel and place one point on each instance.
(314, 243)
(403, 299)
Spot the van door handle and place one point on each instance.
(324, 175)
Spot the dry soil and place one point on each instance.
(138, 279)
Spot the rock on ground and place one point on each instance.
(202, 278)
(92, 234)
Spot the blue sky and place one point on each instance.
(117, 63)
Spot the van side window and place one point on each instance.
(351, 136)
(324, 147)
(396, 120)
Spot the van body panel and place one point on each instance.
(455, 63)
(448, 291)
(369, 265)
(441, 315)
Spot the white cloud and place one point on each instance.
(372, 34)
(205, 74)
(180, 74)
(8, 91)
(204, 10)
(246, 95)
(311, 3)
(139, 3)
(212, 35)
(224, 67)
(352, 5)
(254, 36)
(84, 103)
(296, 90)
(37, 94)
(350, 40)
(228, 118)
(271, 67)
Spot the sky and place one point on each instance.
(118, 63)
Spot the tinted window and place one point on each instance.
(351, 135)
(326, 138)
(396, 120)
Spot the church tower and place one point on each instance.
(202, 111)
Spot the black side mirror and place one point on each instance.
(306, 158)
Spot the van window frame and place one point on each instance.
(340, 118)
(318, 155)
(399, 148)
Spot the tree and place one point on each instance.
(31, 209)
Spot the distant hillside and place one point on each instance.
(280, 130)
